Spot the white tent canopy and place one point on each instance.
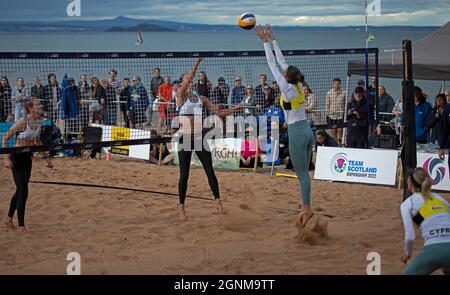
(431, 59)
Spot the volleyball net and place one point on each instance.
(119, 93)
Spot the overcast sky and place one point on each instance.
(277, 12)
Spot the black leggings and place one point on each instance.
(21, 171)
(2, 110)
(205, 158)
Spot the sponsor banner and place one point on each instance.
(437, 168)
(356, 165)
(111, 133)
(120, 133)
(226, 153)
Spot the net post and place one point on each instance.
(409, 149)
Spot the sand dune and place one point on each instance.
(128, 232)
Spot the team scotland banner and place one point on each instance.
(356, 165)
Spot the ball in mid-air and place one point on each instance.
(247, 21)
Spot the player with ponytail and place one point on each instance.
(430, 212)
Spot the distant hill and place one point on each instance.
(146, 27)
(126, 22)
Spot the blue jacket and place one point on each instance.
(69, 103)
(422, 111)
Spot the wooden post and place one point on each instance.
(160, 153)
(400, 175)
(256, 155)
(274, 151)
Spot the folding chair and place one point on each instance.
(92, 135)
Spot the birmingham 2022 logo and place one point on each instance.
(435, 168)
(339, 164)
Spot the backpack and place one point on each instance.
(50, 133)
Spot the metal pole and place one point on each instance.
(367, 50)
(347, 95)
(377, 105)
(367, 92)
(409, 149)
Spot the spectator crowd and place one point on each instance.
(349, 119)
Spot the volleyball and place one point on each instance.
(247, 21)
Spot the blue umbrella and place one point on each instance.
(69, 104)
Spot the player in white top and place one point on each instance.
(27, 132)
(292, 100)
(430, 212)
(193, 137)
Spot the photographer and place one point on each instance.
(434, 117)
(357, 120)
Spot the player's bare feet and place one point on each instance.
(8, 222)
(305, 215)
(219, 207)
(183, 215)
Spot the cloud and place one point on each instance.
(400, 18)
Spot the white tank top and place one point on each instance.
(191, 108)
(29, 133)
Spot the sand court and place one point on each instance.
(135, 232)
